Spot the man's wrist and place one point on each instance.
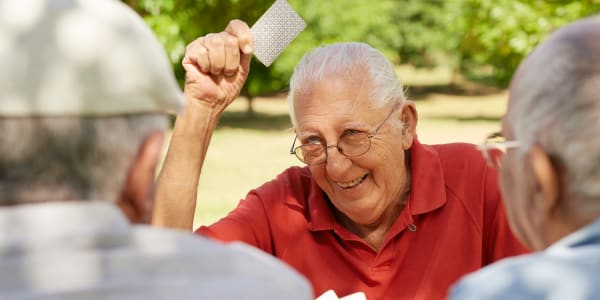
(200, 114)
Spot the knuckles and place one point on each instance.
(230, 42)
(215, 41)
(219, 53)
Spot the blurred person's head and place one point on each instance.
(551, 181)
(354, 129)
(84, 91)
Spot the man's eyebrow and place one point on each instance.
(355, 124)
(306, 133)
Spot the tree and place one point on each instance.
(495, 35)
(407, 31)
(421, 28)
(484, 39)
(179, 22)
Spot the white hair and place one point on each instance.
(70, 158)
(557, 107)
(347, 60)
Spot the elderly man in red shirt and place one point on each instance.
(374, 210)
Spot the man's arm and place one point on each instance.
(217, 66)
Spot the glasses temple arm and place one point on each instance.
(293, 144)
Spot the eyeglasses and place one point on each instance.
(494, 147)
(350, 144)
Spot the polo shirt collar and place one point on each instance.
(586, 236)
(428, 192)
(427, 188)
(321, 214)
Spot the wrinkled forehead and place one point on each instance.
(334, 93)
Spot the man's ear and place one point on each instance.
(546, 181)
(409, 118)
(136, 200)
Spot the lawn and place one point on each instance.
(246, 152)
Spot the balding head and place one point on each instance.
(555, 104)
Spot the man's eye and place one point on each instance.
(352, 132)
(352, 136)
(313, 140)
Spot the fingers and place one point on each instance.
(202, 55)
(232, 54)
(245, 39)
(222, 53)
(217, 54)
(244, 36)
(196, 55)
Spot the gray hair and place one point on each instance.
(557, 106)
(346, 60)
(70, 158)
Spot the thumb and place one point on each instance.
(242, 32)
(245, 62)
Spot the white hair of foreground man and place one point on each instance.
(70, 158)
(347, 60)
(557, 106)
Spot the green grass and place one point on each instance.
(246, 152)
(447, 118)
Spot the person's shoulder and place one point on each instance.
(458, 153)
(295, 182)
(171, 240)
(539, 275)
(496, 281)
(242, 266)
(461, 161)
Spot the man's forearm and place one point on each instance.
(176, 190)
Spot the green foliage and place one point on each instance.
(406, 31)
(421, 30)
(348, 20)
(179, 22)
(495, 35)
(480, 38)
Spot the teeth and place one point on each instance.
(353, 183)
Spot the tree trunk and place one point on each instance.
(250, 109)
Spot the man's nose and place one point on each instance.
(337, 163)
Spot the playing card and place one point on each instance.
(275, 30)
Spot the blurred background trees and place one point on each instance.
(481, 40)
(494, 35)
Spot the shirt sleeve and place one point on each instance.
(498, 239)
(247, 223)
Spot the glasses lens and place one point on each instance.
(354, 143)
(310, 154)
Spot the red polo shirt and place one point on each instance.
(454, 223)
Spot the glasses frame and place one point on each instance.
(502, 146)
(370, 135)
